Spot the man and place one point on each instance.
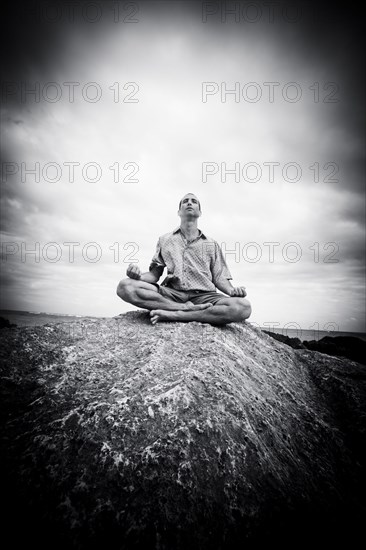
(196, 267)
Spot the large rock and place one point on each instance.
(343, 346)
(5, 323)
(118, 434)
(293, 342)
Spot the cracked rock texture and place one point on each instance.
(118, 434)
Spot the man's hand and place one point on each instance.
(238, 291)
(133, 271)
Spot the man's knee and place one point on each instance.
(242, 309)
(126, 289)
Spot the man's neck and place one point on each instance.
(189, 229)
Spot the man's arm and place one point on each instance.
(152, 276)
(156, 268)
(226, 287)
(221, 275)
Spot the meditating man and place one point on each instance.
(196, 267)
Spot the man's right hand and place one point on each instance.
(133, 271)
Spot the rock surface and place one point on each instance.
(118, 434)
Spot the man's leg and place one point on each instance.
(228, 310)
(146, 295)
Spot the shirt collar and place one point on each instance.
(200, 233)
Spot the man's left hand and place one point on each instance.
(238, 291)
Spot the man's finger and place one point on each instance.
(132, 274)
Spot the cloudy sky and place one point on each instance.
(258, 113)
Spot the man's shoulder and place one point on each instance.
(166, 236)
(208, 238)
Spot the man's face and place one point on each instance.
(190, 207)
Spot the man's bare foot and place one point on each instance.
(157, 315)
(190, 306)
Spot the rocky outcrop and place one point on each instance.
(118, 434)
(5, 323)
(350, 347)
(340, 346)
(294, 343)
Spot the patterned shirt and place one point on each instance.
(194, 265)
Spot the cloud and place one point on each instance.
(167, 135)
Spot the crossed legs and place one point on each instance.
(228, 310)
(146, 296)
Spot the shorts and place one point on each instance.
(194, 296)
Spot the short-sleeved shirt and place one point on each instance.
(194, 265)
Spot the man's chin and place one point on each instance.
(191, 215)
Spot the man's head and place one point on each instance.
(189, 207)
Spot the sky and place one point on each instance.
(258, 113)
